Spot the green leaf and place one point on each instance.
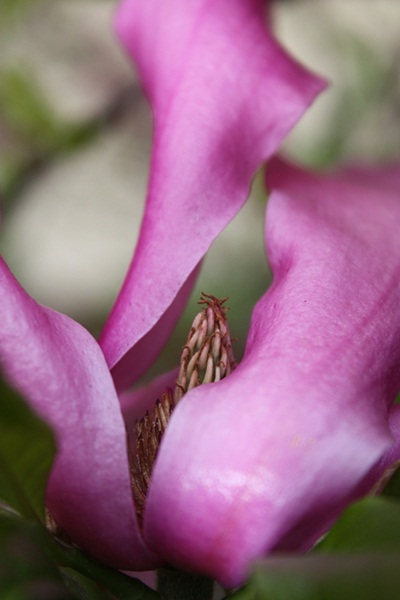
(326, 577)
(392, 488)
(27, 449)
(359, 558)
(26, 571)
(13, 8)
(25, 108)
(371, 525)
(31, 556)
(32, 119)
(81, 587)
(119, 585)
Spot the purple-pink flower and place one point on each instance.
(267, 458)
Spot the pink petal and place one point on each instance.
(60, 369)
(144, 352)
(224, 95)
(274, 452)
(378, 477)
(387, 176)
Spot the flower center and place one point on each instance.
(206, 357)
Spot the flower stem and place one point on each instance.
(178, 585)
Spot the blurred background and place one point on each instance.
(75, 135)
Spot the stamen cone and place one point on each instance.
(206, 357)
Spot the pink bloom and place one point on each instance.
(305, 424)
(224, 95)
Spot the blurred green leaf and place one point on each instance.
(359, 558)
(81, 587)
(371, 525)
(36, 136)
(27, 449)
(26, 571)
(326, 577)
(24, 107)
(392, 488)
(73, 560)
(31, 559)
(14, 8)
(27, 112)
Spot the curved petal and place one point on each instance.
(393, 456)
(276, 450)
(145, 351)
(224, 94)
(60, 369)
(386, 176)
(376, 480)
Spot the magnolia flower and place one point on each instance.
(224, 95)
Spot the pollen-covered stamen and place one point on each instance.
(206, 357)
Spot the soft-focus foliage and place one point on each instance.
(24, 466)
(357, 559)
